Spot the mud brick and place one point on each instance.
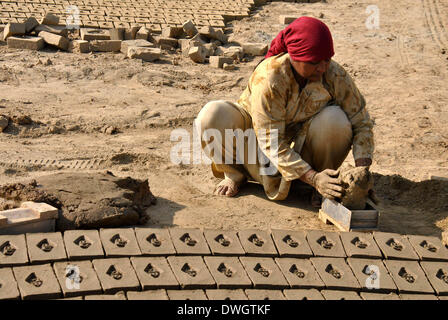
(131, 33)
(368, 270)
(225, 294)
(30, 24)
(191, 272)
(147, 295)
(50, 19)
(256, 294)
(116, 274)
(173, 32)
(77, 278)
(302, 294)
(154, 273)
(286, 19)
(118, 296)
(228, 272)
(154, 27)
(45, 247)
(13, 250)
(140, 43)
(55, 40)
(325, 244)
(105, 25)
(395, 246)
(119, 242)
(167, 43)
(360, 245)
(143, 33)
(212, 34)
(264, 273)
(189, 241)
(13, 29)
(340, 295)
(223, 242)
(437, 273)
(79, 46)
(154, 241)
(198, 54)
(408, 276)
(255, 49)
(37, 282)
(291, 243)
(116, 34)
(217, 23)
(379, 296)
(121, 24)
(418, 297)
(83, 244)
(146, 54)
(94, 34)
(256, 242)
(186, 294)
(8, 285)
(300, 273)
(189, 28)
(429, 248)
(59, 30)
(335, 273)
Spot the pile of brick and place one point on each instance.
(138, 42)
(177, 264)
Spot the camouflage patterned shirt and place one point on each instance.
(274, 101)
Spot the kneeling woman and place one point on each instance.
(311, 104)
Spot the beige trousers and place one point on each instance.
(327, 143)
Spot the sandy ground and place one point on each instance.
(401, 68)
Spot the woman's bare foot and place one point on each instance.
(230, 186)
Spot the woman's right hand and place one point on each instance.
(328, 184)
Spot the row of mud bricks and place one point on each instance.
(176, 263)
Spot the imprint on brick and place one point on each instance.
(83, 242)
(34, 280)
(188, 240)
(333, 271)
(428, 246)
(152, 239)
(395, 244)
(409, 277)
(261, 270)
(256, 240)
(442, 275)
(290, 241)
(222, 240)
(225, 270)
(189, 270)
(299, 273)
(119, 241)
(114, 273)
(359, 243)
(45, 245)
(7, 248)
(152, 271)
(325, 243)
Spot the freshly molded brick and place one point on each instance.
(119, 242)
(45, 247)
(372, 275)
(264, 273)
(154, 273)
(77, 278)
(148, 295)
(325, 244)
(30, 43)
(189, 241)
(360, 245)
(191, 272)
(302, 294)
(83, 244)
(408, 276)
(225, 294)
(8, 285)
(300, 273)
(13, 250)
(116, 275)
(395, 246)
(154, 242)
(335, 273)
(429, 248)
(257, 243)
(379, 296)
(228, 272)
(223, 242)
(437, 274)
(186, 294)
(37, 282)
(291, 243)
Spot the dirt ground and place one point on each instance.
(401, 68)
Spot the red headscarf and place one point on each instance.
(306, 39)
